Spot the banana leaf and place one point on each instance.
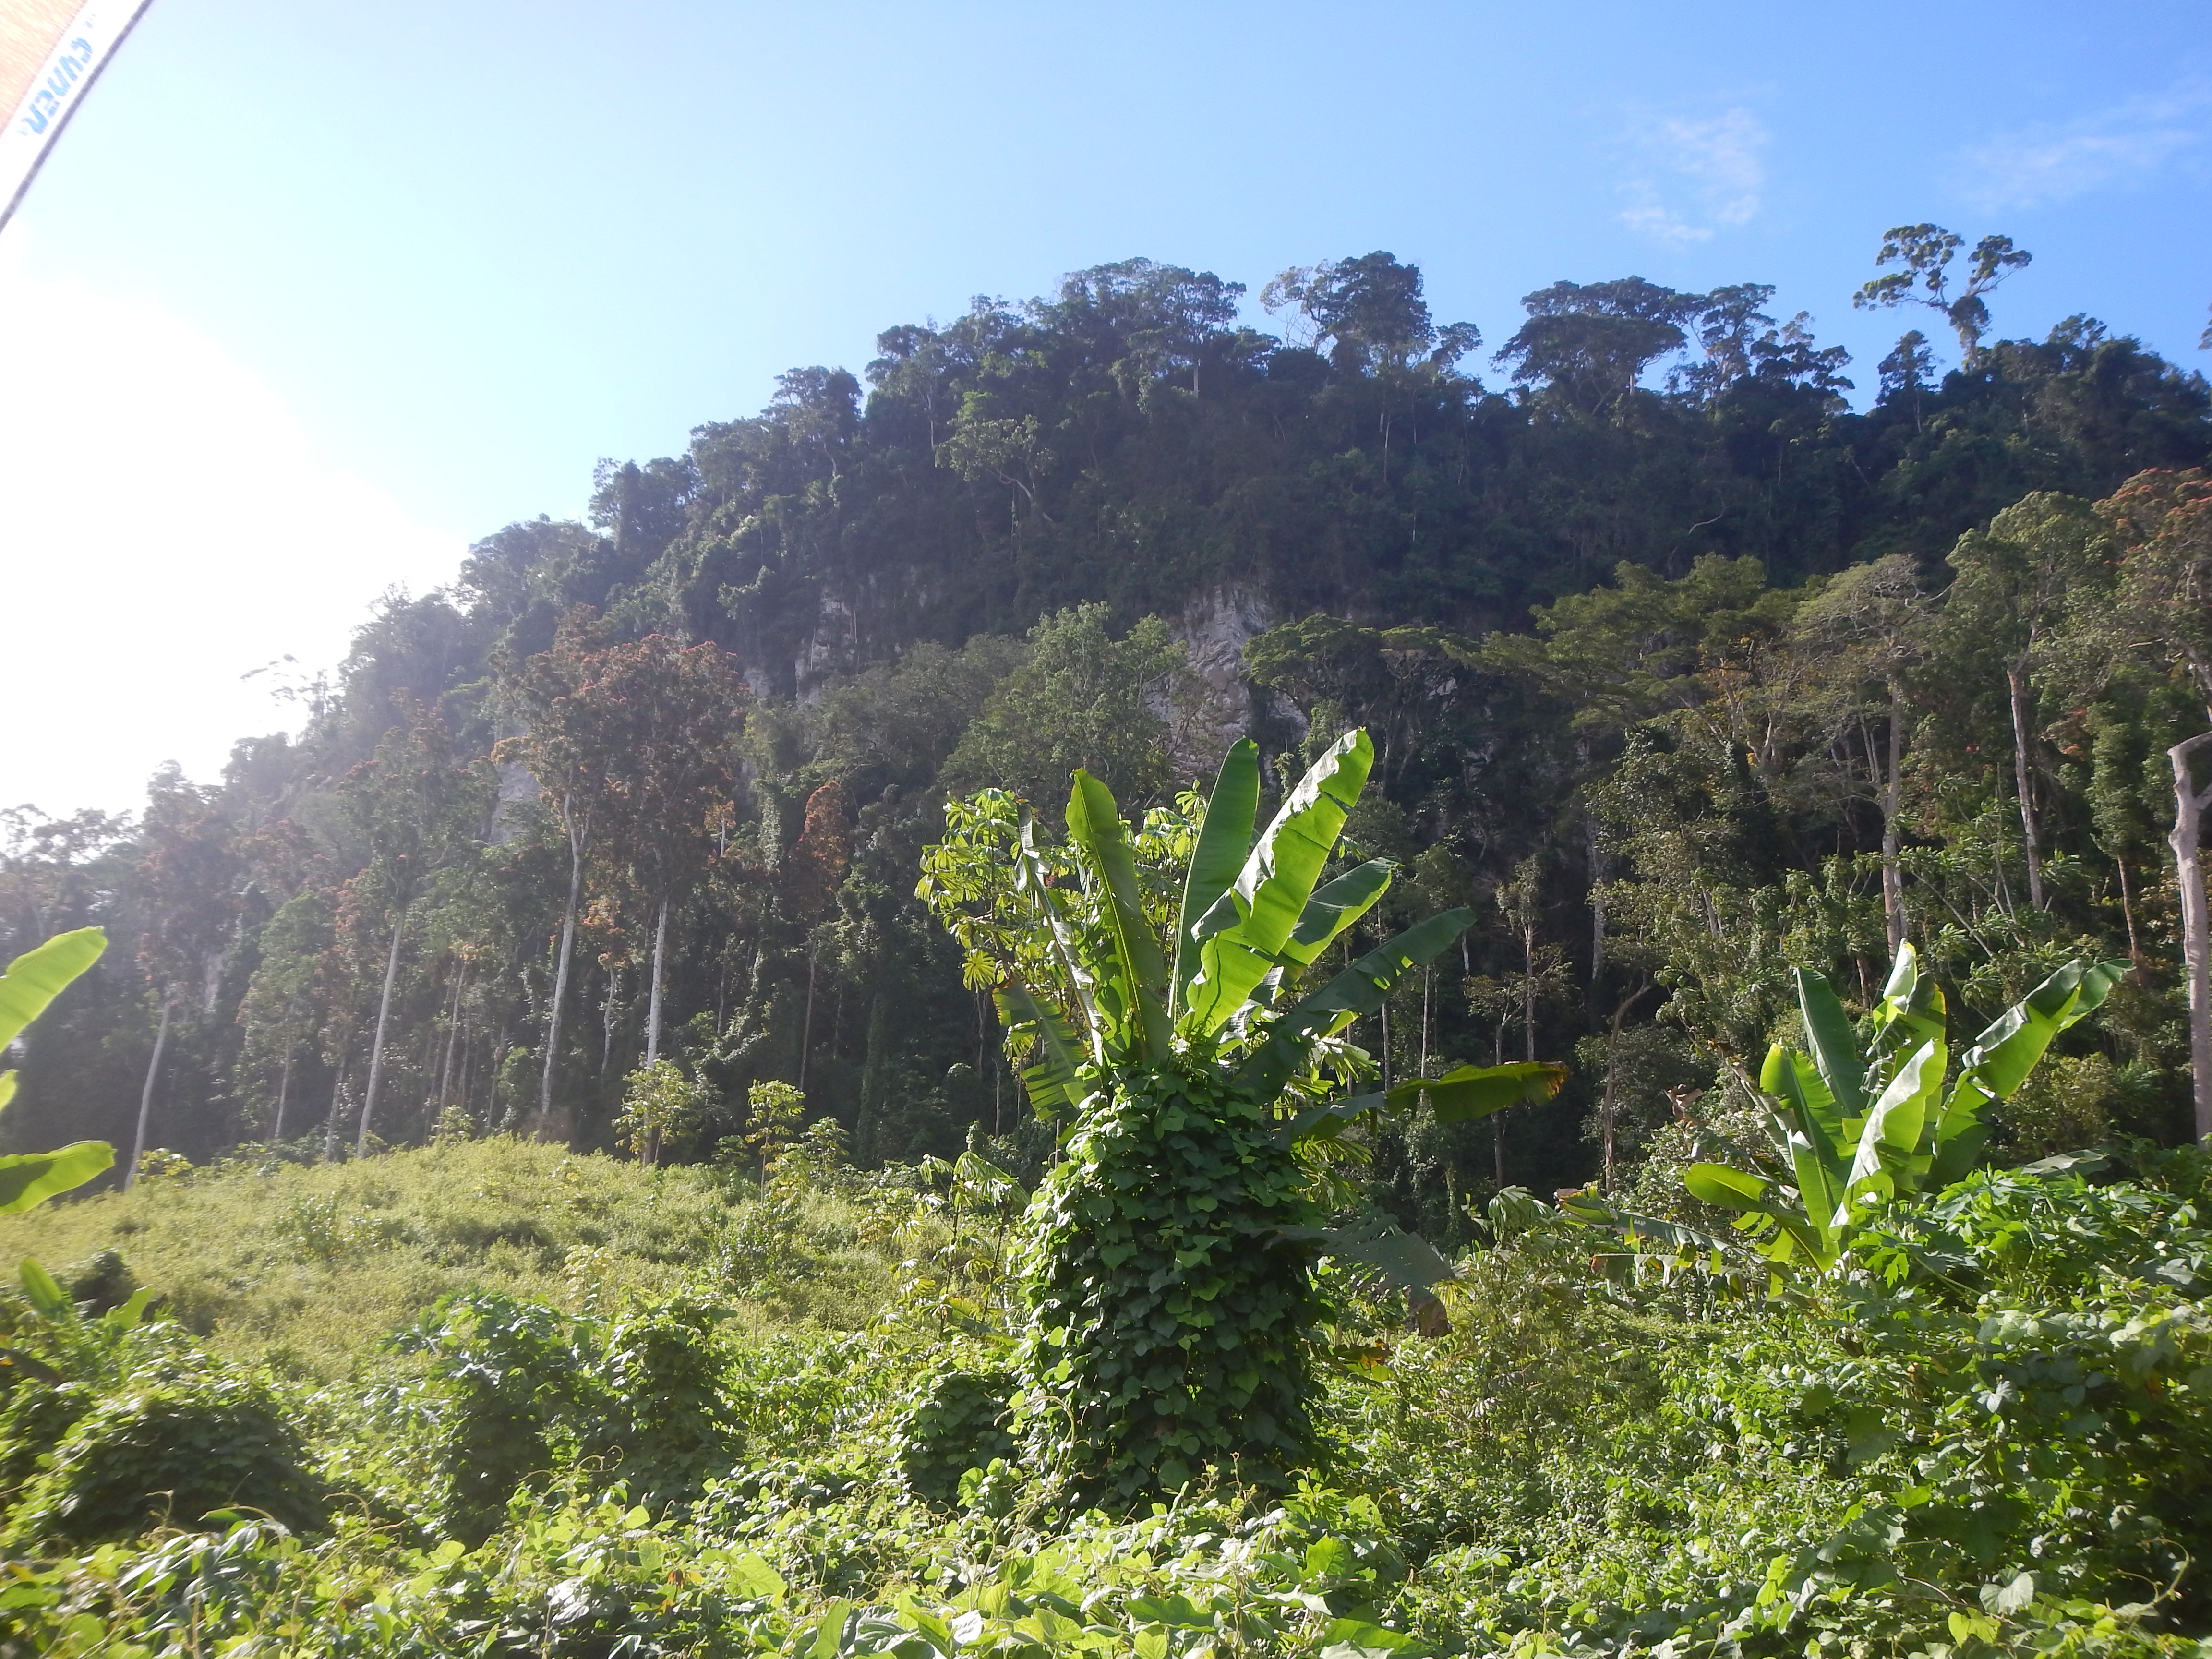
(1359, 989)
(1999, 1060)
(1406, 1259)
(1334, 906)
(1094, 824)
(1891, 1136)
(31, 1178)
(1457, 1096)
(1241, 934)
(1835, 1051)
(1050, 1079)
(1224, 839)
(41, 974)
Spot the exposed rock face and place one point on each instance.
(1215, 707)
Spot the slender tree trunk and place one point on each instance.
(453, 1038)
(806, 1024)
(607, 1008)
(2127, 912)
(652, 1002)
(376, 1043)
(2189, 805)
(1597, 899)
(1386, 1043)
(338, 1099)
(146, 1095)
(283, 1091)
(560, 972)
(1424, 1020)
(1528, 990)
(864, 1138)
(2024, 780)
(1893, 806)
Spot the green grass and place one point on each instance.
(307, 1267)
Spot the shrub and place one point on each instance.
(1174, 1319)
(175, 1445)
(957, 1423)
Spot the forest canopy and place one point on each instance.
(1679, 669)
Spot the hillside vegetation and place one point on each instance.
(1987, 1433)
(1678, 667)
(938, 1036)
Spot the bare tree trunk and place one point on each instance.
(2189, 805)
(2024, 779)
(2128, 914)
(146, 1095)
(1386, 1043)
(806, 1025)
(1893, 804)
(283, 1091)
(1424, 1020)
(1528, 990)
(376, 1043)
(1597, 900)
(453, 1038)
(560, 971)
(338, 1099)
(652, 1002)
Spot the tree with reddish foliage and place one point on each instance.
(632, 746)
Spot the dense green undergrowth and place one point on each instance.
(695, 1416)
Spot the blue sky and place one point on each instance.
(312, 295)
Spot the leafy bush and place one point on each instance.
(174, 1444)
(1173, 1316)
(957, 1423)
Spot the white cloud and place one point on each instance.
(2127, 144)
(166, 527)
(1692, 177)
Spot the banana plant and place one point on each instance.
(32, 981)
(1854, 1128)
(1159, 983)
(1091, 989)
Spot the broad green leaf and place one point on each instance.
(1409, 1261)
(1050, 1079)
(1225, 840)
(1332, 1118)
(2000, 1058)
(1594, 1211)
(48, 1297)
(1835, 1046)
(829, 1632)
(1476, 1092)
(131, 1313)
(1961, 1131)
(7, 1089)
(31, 1178)
(1732, 1189)
(1094, 823)
(1030, 877)
(758, 1578)
(1912, 1008)
(1359, 989)
(1457, 1096)
(1334, 906)
(1243, 933)
(1809, 1108)
(1892, 1134)
(41, 974)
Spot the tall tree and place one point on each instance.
(2162, 611)
(2013, 586)
(1923, 254)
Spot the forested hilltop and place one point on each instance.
(1678, 670)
